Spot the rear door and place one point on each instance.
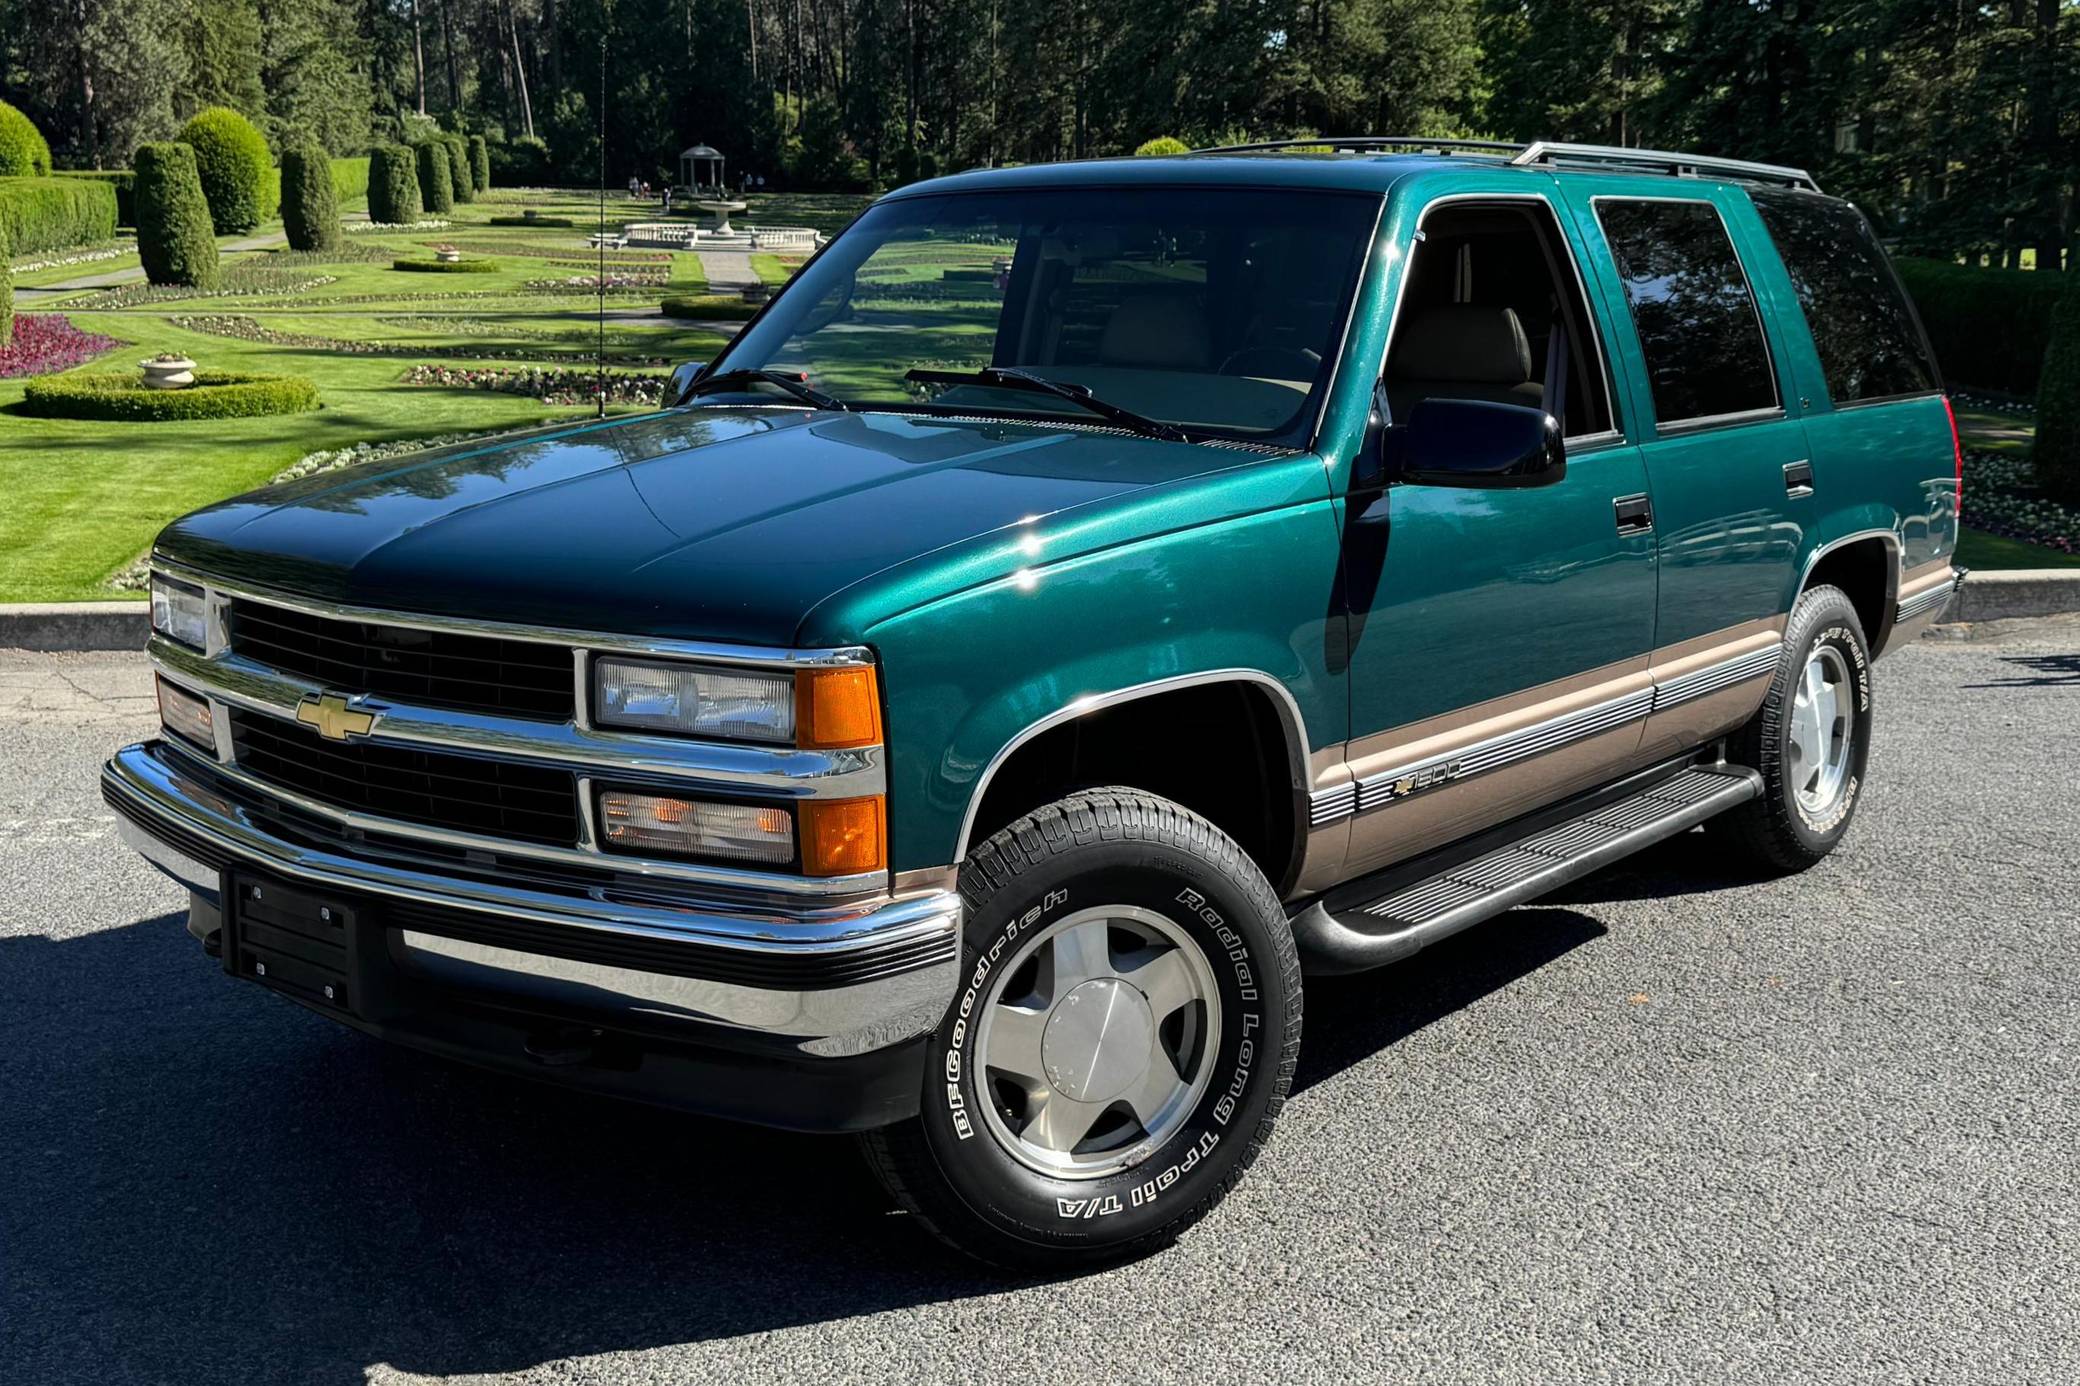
(1728, 468)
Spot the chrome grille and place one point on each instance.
(471, 673)
(495, 798)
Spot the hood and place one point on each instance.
(696, 524)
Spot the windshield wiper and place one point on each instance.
(1012, 378)
(781, 380)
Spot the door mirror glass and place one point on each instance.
(1477, 443)
(683, 376)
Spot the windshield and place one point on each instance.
(1214, 311)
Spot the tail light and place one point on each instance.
(1957, 452)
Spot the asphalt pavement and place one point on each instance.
(1673, 1125)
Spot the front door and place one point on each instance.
(1499, 638)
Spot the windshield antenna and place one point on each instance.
(601, 282)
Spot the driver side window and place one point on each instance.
(1491, 309)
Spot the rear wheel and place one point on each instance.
(1125, 1033)
(1809, 740)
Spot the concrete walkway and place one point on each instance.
(135, 274)
(728, 271)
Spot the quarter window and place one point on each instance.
(1869, 342)
(1698, 328)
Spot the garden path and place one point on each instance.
(30, 297)
(728, 271)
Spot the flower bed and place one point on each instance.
(240, 281)
(80, 257)
(2001, 497)
(45, 343)
(548, 385)
(589, 283)
(393, 228)
(574, 254)
(126, 399)
(446, 266)
(246, 329)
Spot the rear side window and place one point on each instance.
(1869, 344)
(1697, 323)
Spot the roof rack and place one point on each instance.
(1615, 157)
(1371, 142)
(1549, 154)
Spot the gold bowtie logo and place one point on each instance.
(333, 718)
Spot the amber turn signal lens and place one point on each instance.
(843, 836)
(836, 708)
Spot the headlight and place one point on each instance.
(179, 612)
(690, 700)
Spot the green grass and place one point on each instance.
(84, 499)
(1977, 549)
(772, 271)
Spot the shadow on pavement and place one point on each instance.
(204, 1182)
(2039, 671)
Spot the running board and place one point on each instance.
(1355, 928)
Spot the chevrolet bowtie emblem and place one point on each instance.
(333, 718)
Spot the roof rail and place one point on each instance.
(1371, 142)
(1617, 158)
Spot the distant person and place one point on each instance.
(635, 186)
(667, 201)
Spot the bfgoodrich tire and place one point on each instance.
(1125, 1032)
(1810, 739)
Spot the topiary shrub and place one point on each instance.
(436, 189)
(1990, 327)
(446, 266)
(24, 153)
(174, 237)
(707, 309)
(6, 290)
(531, 221)
(458, 168)
(127, 399)
(350, 180)
(393, 185)
(121, 179)
(523, 163)
(41, 214)
(1161, 145)
(232, 160)
(310, 211)
(480, 163)
(2057, 449)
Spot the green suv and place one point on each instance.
(1087, 600)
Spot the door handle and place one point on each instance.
(1635, 514)
(1798, 479)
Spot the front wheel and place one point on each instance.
(1125, 1032)
(1810, 738)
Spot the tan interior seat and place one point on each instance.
(1461, 351)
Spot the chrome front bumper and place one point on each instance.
(822, 979)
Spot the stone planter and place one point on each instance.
(757, 293)
(169, 375)
(448, 257)
(530, 214)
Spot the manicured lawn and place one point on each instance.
(83, 499)
(1978, 549)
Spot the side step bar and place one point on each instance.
(1386, 918)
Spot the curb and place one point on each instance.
(2006, 594)
(58, 626)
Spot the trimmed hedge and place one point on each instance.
(41, 214)
(531, 221)
(2057, 448)
(6, 290)
(350, 180)
(393, 185)
(458, 168)
(24, 153)
(436, 189)
(708, 309)
(523, 163)
(121, 179)
(480, 163)
(232, 160)
(174, 239)
(1989, 327)
(1161, 145)
(127, 399)
(446, 266)
(310, 207)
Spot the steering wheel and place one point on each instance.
(1273, 362)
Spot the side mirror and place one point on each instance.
(1475, 443)
(683, 376)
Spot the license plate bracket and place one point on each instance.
(294, 940)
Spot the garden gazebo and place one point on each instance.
(700, 167)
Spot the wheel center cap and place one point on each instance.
(1098, 1041)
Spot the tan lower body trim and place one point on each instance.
(1924, 595)
(1405, 791)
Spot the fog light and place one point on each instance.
(186, 716)
(841, 837)
(691, 828)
